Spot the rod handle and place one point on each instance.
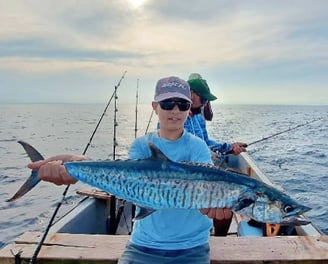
(230, 151)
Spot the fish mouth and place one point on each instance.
(296, 220)
(296, 217)
(300, 210)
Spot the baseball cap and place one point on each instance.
(172, 87)
(200, 86)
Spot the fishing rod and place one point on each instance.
(136, 116)
(133, 206)
(114, 219)
(41, 242)
(284, 131)
(115, 144)
(278, 133)
(103, 114)
(114, 203)
(149, 121)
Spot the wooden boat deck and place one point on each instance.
(78, 248)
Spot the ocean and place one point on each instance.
(296, 160)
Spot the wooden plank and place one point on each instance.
(69, 248)
(280, 249)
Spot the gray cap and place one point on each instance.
(172, 87)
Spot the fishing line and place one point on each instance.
(38, 248)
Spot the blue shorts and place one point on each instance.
(134, 254)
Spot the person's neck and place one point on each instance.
(169, 134)
(196, 111)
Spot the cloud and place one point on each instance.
(104, 38)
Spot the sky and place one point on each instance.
(250, 52)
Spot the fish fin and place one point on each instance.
(156, 153)
(27, 186)
(242, 203)
(33, 154)
(33, 180)
(143, 212)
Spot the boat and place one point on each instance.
(98, 228)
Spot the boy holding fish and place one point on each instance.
(168, 235)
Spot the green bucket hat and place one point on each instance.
(200, 87)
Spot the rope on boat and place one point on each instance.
(38, 248)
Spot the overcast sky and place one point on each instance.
(263, 52)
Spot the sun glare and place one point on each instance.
(137, 3)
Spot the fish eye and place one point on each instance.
(288, 209)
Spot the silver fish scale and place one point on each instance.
(159, 193)
(160, 183)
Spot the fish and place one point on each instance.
(158, 183)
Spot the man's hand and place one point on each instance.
(238, 147)
(53, 170)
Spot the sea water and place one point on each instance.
(297, 160)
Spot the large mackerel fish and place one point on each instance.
(159, 183)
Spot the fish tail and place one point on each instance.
(33, 154)
(33, 180)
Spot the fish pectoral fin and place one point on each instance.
(242, 203)
(143, 212)
(27, 186)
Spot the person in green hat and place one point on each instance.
(201, 97)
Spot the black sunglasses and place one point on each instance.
(169, 104)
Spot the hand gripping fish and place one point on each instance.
(158, 183)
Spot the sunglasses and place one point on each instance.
(170, 104)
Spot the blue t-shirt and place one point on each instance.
(172, 228)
